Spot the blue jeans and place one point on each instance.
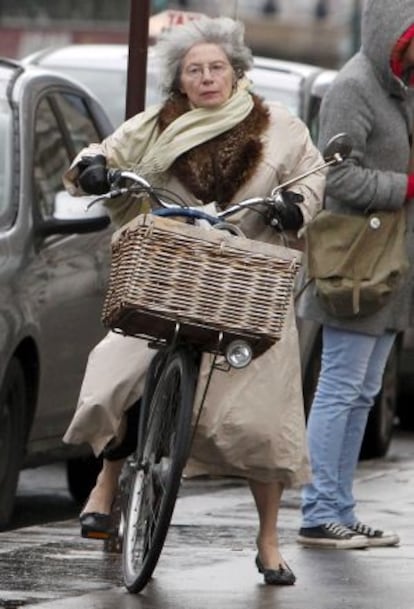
(350, 379)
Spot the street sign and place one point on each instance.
(168, 19)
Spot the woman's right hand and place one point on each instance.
(93, 175)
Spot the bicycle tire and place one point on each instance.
(163, 448)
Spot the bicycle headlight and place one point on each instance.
(239, 354)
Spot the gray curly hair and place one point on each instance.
(173, 45)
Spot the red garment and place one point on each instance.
(410, 187)
(398, 52)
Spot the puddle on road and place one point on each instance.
(46, 572)
(43, 564)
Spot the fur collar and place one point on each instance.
(216, 170)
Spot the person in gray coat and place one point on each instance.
(372, 100)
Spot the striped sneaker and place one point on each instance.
(375, 537)
(331, 536)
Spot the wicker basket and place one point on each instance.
(164, 271)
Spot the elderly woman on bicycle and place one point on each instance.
(212, 139)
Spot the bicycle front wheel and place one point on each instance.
(162, 452)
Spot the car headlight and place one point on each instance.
(239, 354)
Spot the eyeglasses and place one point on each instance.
(215, 69)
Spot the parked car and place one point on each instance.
(53, 268)
(100, 67)
(300, 87)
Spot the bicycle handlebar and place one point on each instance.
(166, 208)
(336, 151)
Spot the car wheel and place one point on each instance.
(13, 398)
(81, 476)
(381, 420)
(406, 411)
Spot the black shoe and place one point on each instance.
(95, 525)
(331, 535)
(282, 576)
(375, 537)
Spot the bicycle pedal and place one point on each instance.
(95, 535)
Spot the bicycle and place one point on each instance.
(151, 478)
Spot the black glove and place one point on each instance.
(93, 175)
(285, 214)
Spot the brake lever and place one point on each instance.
(108, 195)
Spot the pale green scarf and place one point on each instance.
(138, 145)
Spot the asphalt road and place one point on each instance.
(208, 559)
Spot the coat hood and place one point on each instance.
(383, 24)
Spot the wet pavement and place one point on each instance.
(208, 560)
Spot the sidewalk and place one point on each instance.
(208, 561)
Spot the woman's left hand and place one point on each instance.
(285, 214)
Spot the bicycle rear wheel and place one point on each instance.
(163, 447)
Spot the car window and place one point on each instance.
(109, 86)
(77, 120)
(5, 155)
(285, 97)
(313, 118)
(51, 158)
(277, 86)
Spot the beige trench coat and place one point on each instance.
(252, 423)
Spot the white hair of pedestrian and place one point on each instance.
(174, 43)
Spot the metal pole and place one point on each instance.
(137, 57)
